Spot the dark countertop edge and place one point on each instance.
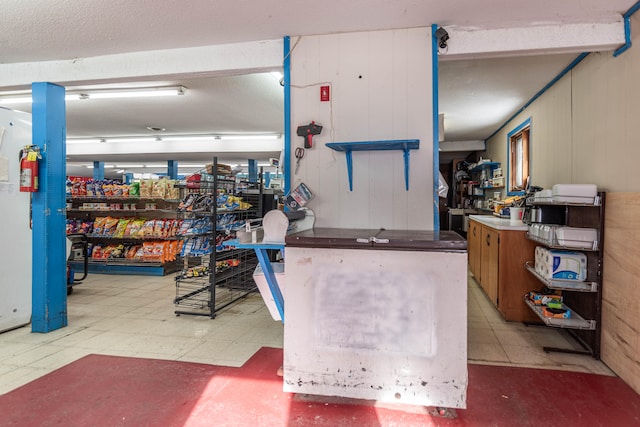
(379, 247)
(407, 240)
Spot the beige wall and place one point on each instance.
(585, 130)
(381, 89)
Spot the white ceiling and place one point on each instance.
(40, 30)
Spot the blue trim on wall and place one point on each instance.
(436, 130)
(287, 114)
(49, 281)
(540, 92)
(98, 170)
(627, 29)
(517, 129)
(172, 169)
(253, 170)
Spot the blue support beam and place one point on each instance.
(267, 179)
(128, 178)
(98, 170)
(253, 170)
(49, 282)
(172, 169)
(287, 114)
(436, 131)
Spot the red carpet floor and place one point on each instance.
(118, 391)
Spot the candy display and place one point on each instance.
(151, 251)
(135, 228)
(150, 188)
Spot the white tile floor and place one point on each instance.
(134, 316)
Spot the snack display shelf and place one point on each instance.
(126, 261)
(567, 285)
(121, 198)
(574, 322)
(204, 278)
(189, 235)
(553, 243)
(127, 266)
(121, 211)
(129, 238)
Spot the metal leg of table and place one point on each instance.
(272, 281)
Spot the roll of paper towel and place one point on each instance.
(552, 264)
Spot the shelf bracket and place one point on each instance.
(349, 147)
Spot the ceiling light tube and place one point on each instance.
(133, 93)
(189, 138)
(135, 139)
(25, 97)
(232, 137)
(131, 165)
(82, 140)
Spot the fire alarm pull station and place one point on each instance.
(325, 93)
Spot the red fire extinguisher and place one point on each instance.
(29, 157)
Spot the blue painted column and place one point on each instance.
(128, 178)
(287, 114)
(172, 169)
(253, 170)
(49, 285)
(267, 179)
(436, 130)
(98, 170)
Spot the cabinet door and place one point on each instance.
(474, 248)
(489, 263)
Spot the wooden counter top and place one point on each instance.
(499, 223)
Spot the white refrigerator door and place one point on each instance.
(15, 250)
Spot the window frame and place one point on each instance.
(523, 129)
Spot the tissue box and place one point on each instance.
(553, 264)
(574, 193)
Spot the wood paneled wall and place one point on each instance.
(621, 288)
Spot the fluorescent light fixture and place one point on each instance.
(145, 92)
(189, 138)
(156, 165)
(130, 165)
(132, 93)
(179, 138)
(235, 137)
(200, 166)
(120, 171)
(134, 139)
(83, 141)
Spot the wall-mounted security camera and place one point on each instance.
(442, 36)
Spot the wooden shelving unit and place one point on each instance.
(583, 299)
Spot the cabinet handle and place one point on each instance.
(474, 231)
(488, 240)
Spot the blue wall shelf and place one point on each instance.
(405, 145)
(485, 165)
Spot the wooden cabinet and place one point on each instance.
(474, 237)
(489, 263)
(497, 255)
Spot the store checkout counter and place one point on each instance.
(374, 314)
